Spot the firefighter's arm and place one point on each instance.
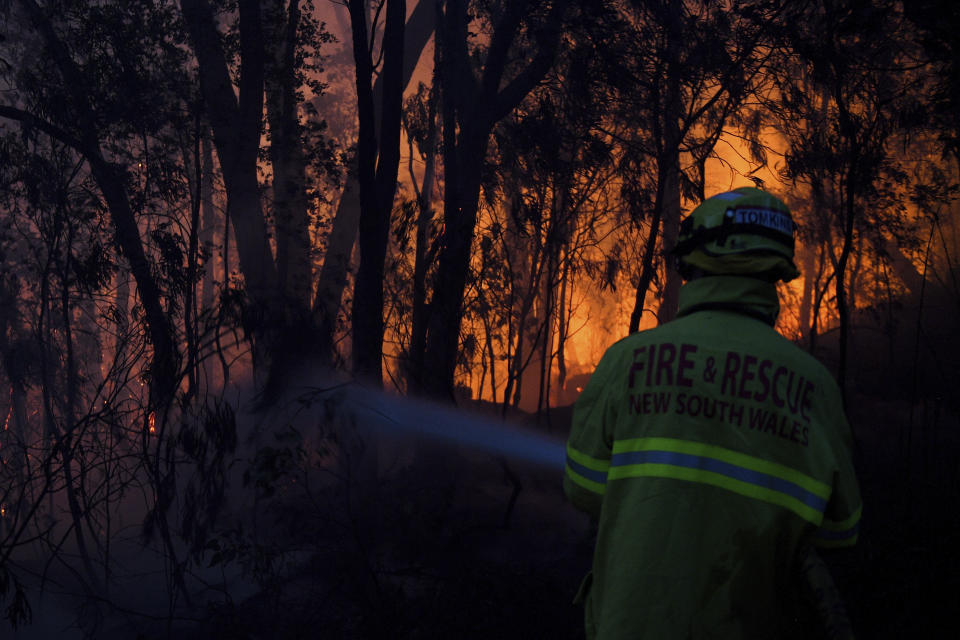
(589, 444)
(841, 520)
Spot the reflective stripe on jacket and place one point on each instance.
(711, 449)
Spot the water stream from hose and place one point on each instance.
(380, 411)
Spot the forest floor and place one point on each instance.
(903, 577)
(457, 544)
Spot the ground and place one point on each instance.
(413, 539)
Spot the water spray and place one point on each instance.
(380, 411)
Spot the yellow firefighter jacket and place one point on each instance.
(711, 449)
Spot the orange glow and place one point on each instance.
(152, 421)
(596, 312)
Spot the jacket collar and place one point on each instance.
(748, 296)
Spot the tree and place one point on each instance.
(343, 233)
(237, 125)
(679, 73)
(378, 158)
(840, 133)
(551, 161)
(277, 45)
(936, 23)
(73, 102)
(474, 98)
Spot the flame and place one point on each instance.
(152, 422)
(6, 423)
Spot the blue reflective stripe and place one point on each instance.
(586, 472)
(724, 468)
(826, 534)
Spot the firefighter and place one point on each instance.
(712, 451)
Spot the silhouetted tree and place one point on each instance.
(332, 278)
(378, 157)
(679, 73)
(76, 97)
(475, 95)
(840, 134)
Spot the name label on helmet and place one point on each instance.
(775, 220)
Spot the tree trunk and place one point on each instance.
(671, 225)
(902, 265)
(424, 254)
(808, 254)
(164, 366)
(471, 108)
(851, 184)
(648, 265)
(562, 326)
(461, 194)
(853, 280)
(819, 292)
(669, 166)
(208, 231)
(193, 163)
(15, 438)
(236, 132)
(378, 163)
(491, 356)
(524, 262)
(849, 216)
(290, 207)
(111, 181)
(333, 273)
(545, 364)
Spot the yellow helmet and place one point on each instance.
(744, 232)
